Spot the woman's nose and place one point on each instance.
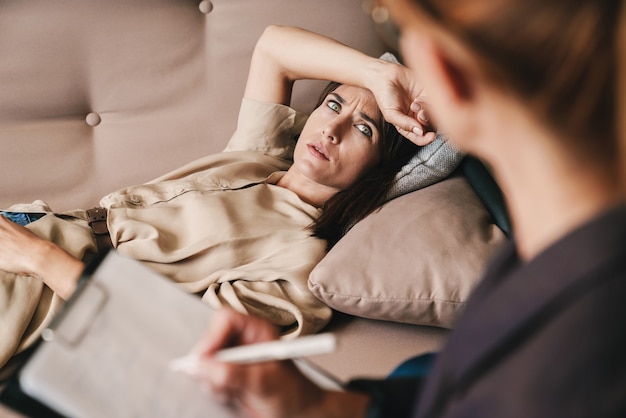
(333, 130)
(332, 136)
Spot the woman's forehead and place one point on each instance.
(363, 97)
(353, 92)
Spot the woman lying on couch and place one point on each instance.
(241, 228)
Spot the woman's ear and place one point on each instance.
(454, 78)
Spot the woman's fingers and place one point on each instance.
(417, 107)
(417, 136)
(415, 128)
(422, 133)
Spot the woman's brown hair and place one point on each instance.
(369, 192)
(558, 56)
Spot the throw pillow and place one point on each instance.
(416, 260)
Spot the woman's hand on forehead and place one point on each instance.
(402, 103)
(414, 124)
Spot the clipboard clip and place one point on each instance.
(71, 325)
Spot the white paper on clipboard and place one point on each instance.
(109, 352)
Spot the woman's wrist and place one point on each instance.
(382, 76)
(377, 73)
(58, 269)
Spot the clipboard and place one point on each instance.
(106, 353)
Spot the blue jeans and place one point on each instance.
(21, 218)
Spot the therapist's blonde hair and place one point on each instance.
(558, 56)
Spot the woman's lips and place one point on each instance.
(318, 151)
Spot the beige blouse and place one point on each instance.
(218, 226)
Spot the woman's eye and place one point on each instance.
(365, 130)
(334, 106)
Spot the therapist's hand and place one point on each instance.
(274, 389)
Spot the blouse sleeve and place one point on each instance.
(266, 127)
(273, 284)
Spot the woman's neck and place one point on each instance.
(549, 189)
(308, 191)
(544, 210)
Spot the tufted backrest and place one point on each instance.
(97, 95)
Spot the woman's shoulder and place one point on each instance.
(266, 127)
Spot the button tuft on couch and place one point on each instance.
(93, 119)
(206, 6)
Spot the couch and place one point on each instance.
(100, 95)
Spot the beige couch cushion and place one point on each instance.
(161, 79)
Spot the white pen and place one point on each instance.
(259, 352)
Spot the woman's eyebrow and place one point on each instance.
(365, 116)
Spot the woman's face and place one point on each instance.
(341, 140)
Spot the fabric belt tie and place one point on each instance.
(97, 219)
